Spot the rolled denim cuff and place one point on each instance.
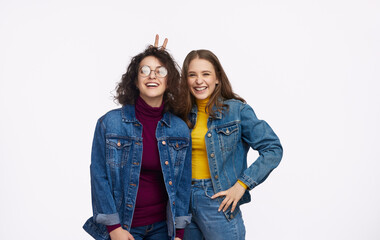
(108, 219)
(248, 181)
(182, 221)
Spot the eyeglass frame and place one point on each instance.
(156, 71)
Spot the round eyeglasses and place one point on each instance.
(160, 72)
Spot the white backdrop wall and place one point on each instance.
(309, 68)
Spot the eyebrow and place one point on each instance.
(201, 71)
(151, 66)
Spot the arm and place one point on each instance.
(260, 136)
(103, 204)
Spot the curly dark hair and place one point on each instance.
(127, 92)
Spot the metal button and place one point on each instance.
(132, 184)
(173, 202)
(138, 143)
(136, 124)
(136, 163)
(163, 143)
(118, 143)
(125, 225)
(212, 155)
(228, 131)
(170, 183)
(166, 163)
(176, 145)
(216, 176)
(209, 134)
(129, 205)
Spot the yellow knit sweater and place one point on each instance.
(199, 162)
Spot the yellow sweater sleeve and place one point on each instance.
(243, 184)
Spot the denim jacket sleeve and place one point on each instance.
(103, 204)
(260, 136)
(183, 218)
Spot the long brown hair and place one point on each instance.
(127, 92)
(223, 90)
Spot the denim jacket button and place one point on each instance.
(163, 143)
(125, 225)
(166, 163)
(173, 202)
(118, 143)
(216, 176)
(170, 183)
(209, 135)
(212, 155)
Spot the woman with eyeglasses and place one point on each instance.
(141, 156)
(224, 128)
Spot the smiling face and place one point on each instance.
(151, 87)
(201, 78)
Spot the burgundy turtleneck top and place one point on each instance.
(151, 197)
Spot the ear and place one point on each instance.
(217, 82)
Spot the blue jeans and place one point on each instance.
(155, 231)
(207, 223)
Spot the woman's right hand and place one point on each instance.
(121, 234)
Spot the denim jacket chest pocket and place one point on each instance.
(228, 135)
(117, 151)
(177, 150)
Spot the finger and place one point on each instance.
(156, 41)
(222, 193)
(222, 204)
(227, 205)
(165, 43)
(233, 206)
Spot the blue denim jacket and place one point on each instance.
(229, 137)
(115, 170)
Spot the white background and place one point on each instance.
(309, 68)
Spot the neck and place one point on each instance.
(202, 103)
(153, 102)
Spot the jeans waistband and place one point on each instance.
(201, 182)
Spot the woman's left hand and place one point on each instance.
(232, 195)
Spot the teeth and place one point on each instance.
(200, 88)
(152, 85)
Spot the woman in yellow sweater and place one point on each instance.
(224, 128)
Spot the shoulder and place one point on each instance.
(178, 125)
(235, 105)
(177, 121)
(112, 114)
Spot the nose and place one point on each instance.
(152, 75)
(198, 80)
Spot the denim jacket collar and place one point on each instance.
(128, 115)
